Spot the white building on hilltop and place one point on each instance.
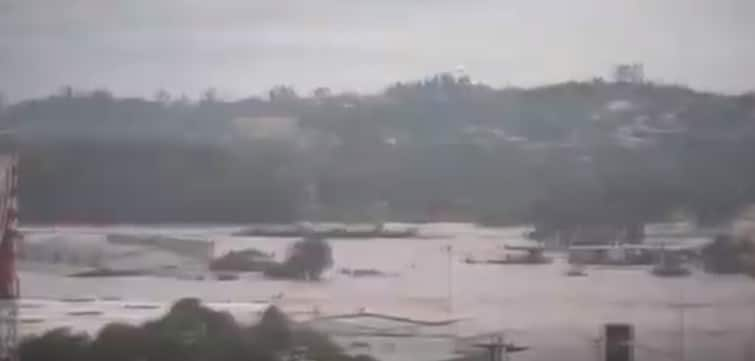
(629, 73)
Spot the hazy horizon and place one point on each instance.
(244, 47)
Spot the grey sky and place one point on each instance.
(242, 47)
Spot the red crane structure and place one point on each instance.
(9, 235)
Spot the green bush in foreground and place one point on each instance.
(188, 332)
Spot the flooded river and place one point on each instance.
(711, 317)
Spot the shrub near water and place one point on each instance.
(189, 332)
(727, 255)
(307, 259)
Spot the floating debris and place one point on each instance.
(85, 313)
(28, 321)
(78, 299)
(141, 307)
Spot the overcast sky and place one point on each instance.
(242, 47)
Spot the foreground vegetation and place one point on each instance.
(189, 332)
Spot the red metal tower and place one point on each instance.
(9, 235)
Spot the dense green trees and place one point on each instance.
(91, 182)
(445, 146)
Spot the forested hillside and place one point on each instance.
(441, 148)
